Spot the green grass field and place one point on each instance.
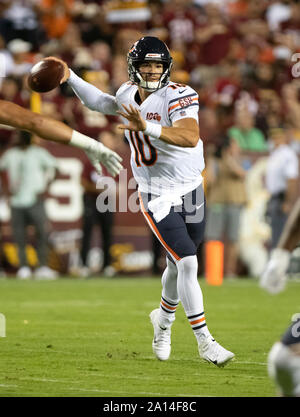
(93, 337)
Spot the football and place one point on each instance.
(45, 75)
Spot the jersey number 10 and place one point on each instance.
(139, 149)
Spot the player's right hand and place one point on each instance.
(66, 68)
(134, 117)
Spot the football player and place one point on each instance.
(284, 356)
(47, 128)
(284, 361)
(274, 277)
(161, 125)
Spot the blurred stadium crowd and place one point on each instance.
(241, 56)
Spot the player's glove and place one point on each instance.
(274, 277)
(98, 153)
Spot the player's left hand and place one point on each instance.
(133, 115)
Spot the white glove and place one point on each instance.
(97, 153)
(274, 277)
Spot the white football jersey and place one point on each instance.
(157, 166)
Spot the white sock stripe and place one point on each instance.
(195, 316)
(197, 322)
(173, 304)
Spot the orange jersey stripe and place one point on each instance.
(197, 321)
(156, 231)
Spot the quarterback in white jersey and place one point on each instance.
(161, 125)
(160, 167)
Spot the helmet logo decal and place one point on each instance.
(153, 56)
(133, 47)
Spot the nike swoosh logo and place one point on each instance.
(197, 207)
(182, 91)
(214, 362)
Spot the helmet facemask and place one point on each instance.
(151, 86)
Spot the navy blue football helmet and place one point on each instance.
(145, 49)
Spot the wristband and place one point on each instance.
(153, 130)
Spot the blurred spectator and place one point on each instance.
(282, 182)
(70, 44)
(29, 170)
(124, 39)
(180, 21)
(291, 104)
(52, 104)
(92, 216)
(255, 232)
(119, 71)
(20, 64)
(56, 16)
(136, 11)
(5, 59)
(226, 196)
(101, 56)
(277, 12)
(269, 113)
(20, 20)
(91, 19)
(214, 36)
(11, 90)
(228, 84)
(247, 136)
